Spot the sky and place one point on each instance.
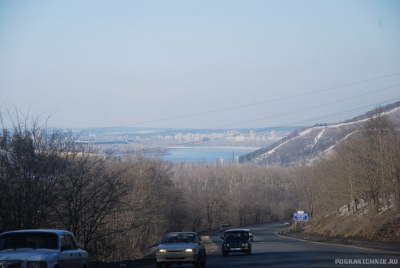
(198, 64)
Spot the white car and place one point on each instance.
(41, 248)
(181, 248)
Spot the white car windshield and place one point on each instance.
(28, 240)
(179, 238)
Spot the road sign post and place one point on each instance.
(300, 216)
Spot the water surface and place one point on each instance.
(206, 154)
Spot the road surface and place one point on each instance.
(271, 250)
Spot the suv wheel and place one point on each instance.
(203, 263)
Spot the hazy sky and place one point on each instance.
(198, 64)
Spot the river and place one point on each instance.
(206, 154)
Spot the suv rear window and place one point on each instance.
(236, 235)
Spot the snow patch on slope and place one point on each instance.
(318, 136)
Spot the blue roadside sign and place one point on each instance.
(300, 216)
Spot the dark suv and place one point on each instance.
(236, 240)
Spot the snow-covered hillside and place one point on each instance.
(312, 143)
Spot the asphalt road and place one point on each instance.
(270, 250)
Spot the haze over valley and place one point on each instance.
(124, 120)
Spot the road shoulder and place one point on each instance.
(391, 247)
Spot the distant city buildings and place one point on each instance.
(145, 138)
(235, 136)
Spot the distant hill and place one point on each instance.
(307, 144)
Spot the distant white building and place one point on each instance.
(179, 136)
(252, 135)
(240, 137)
(188, 137)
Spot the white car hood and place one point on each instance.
(24, 254)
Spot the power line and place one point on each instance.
(309, 108)
(296, 111)
(345, 113)
(253, 104)
(330, 116)
(337, 115)
(342, 114)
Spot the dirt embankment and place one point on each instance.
(384, 227)
(360, 228)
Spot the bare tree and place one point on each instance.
(394, 171)
(154, 206)
(91, 189)
(380, 135)
(30, 162)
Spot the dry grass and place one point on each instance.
(384, 227)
